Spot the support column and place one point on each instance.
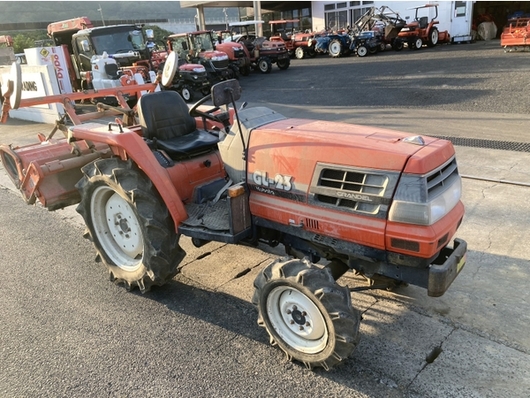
(200, 18)
(257, 17)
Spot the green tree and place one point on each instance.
(27, 40)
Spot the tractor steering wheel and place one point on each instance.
(195, 112)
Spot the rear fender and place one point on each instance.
(126, 144)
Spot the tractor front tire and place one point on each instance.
(397, 45)
(283, 64)
(187, 94)
(265, 65)
(245, 70)
(362, 51)
(129, 224)
(306, 313)
(299, 53)
(417, 43)
(335, 48)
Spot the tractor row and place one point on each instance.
(121, 55)
(379, 29)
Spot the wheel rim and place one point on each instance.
(186, 94)
(434, 36)
(263, 66)
(362, 51)
(117, 228)
(299, 53)
(419, 43)
(334, 48)
(297, 320)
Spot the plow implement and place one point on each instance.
(516, 34)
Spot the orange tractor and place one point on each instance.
(422, 31)
(295, 42)
(383, 203)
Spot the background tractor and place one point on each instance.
(336, 196)
(422, 31)
(263, 53)
(199, 48)
(295, 42)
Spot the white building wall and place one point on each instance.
(317, 14)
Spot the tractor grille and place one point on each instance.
(353, 190)
(441, 177)
(220, 65)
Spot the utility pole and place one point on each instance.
(101, 13)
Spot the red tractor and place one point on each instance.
(263, 53)
(422, 31)
(383, 203)
(295, 42)
(202, 48)
(6, 41)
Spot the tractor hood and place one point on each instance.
(309, 141)
(192, 68)
(232, 49)
(294, 147)
(213, 56)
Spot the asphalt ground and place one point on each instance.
(66, 331)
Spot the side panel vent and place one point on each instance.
(310, 223)
(443, 176)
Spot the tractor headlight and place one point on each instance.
(413, 204)
(220, 57)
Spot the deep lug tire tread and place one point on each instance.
(342, 319)
(162, 252)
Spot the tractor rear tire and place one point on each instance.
(335, 48)
(299, 53)
(433, 37)
(306, 313)
(283, 64)
(129, 224)
(264, 65)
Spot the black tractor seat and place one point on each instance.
(167, 125)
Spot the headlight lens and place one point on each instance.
(411, 210)
(220, 57)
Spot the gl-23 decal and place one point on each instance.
(279, 181)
